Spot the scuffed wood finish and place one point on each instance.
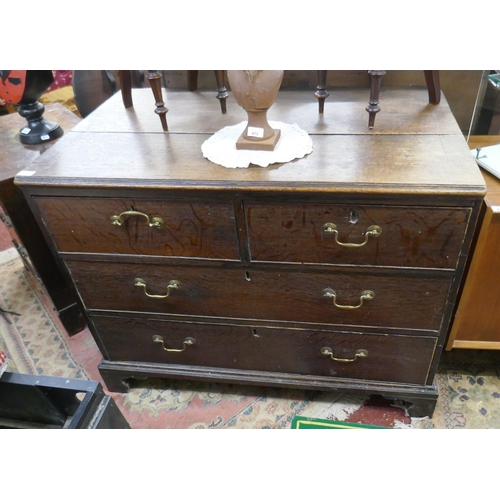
(253, 283)
(411, 236)
(414, 301)
(364, 164)
(406, 111)
(192, 228)
(389, 358)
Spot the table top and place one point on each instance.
(15, 156)
(415, 147)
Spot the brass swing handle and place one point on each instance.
(116, 220)
(366, 295)
(331, 228)
(187, 341)
(360, 353)
(172, 285)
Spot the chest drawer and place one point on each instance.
(359, 235)
(390, 358)
(147, 227)
(398, 300)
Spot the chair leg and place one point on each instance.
(125, 76)
(321, 92)
(154, 78)
(373, 108)
(222, 94)
(433, 86)
(192, 80)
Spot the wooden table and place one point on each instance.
(269, 276)
(476, 324)
(25, 231)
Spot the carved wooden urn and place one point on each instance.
(255, 91)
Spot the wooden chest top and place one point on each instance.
(415, 148)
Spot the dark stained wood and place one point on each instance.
(222, 93)
(420, 400)
(27, 234)
(406, 111)
(321, 93)
(390, 358)
(191, 228)
(154, 78)
(433, 86)
(401, 301)
(373, 104)
(411, 236)
(415, 176)
(375, 76)
(432, 79)
(192, 76)
(339, 164)
(126, 87)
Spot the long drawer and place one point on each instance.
(360, 235)
(390, 358)
(403, 300)
(148, 227)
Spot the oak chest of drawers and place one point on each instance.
(338, 271)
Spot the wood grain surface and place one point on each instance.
(291, 293)
(390, 357)
(191, 228)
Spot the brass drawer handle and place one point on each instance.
(360, 353)
(366, 295)
(173, 285)
(187, 341)
(331, 228)
(116, 220)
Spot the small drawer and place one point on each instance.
(147, 227)
(409, 300)
(358, 235)
(390, 358)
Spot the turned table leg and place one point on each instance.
(154, 78)
(373, 108)
(321, 92)
(222, 94)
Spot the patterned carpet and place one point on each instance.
(468, 381)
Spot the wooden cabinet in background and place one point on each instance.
(477, 320)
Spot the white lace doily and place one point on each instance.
(221, 147)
